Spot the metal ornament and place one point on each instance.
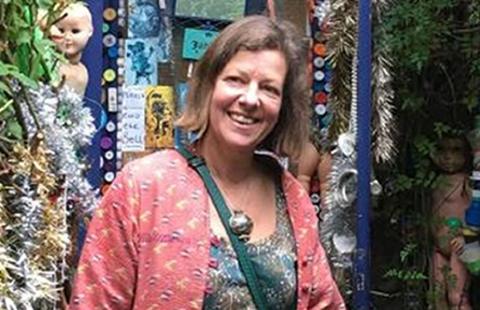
(241, 225)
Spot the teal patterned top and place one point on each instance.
(274, 261)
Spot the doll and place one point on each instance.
(450, 199)
(314, 163)
(74, 31)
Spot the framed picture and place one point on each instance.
(211, 9)
(196, 42)
(141, 61)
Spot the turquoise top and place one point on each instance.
(274, 261)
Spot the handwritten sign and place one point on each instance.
(132, 123)
(196, 42)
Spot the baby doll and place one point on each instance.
(450, 199)
(314, 163)
(73, 32)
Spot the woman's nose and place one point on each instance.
(250, 96)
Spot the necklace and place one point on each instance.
(240, 223)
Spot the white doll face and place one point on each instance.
(451, 155)
(75, 30)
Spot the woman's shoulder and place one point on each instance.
(152, 163)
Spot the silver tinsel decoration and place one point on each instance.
(42, 192)
(68, 127)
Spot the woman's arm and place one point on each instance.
(325, 293)
(106, 274)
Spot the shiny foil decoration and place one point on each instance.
(42, 193)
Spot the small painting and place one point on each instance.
(196, 42)
(144, 20)
(211, 9)
(141, 62)
(160, 113)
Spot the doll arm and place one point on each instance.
(106, 275)
(307, 164)
(323, 171)
(457, 244)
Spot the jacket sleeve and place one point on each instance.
(325, 293)
(106, 274)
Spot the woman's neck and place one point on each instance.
(227, 166)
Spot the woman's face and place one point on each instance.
(246, 100)
(451, 155)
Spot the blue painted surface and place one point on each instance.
(362, 259)
(93, 61)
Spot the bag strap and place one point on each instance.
(244, 261)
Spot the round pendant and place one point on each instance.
(241, 224)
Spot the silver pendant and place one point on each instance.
(241, 225)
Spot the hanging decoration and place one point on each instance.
(383, 122)
(342, 35)
(43, 133)
(338, 216)
(68, 128)
(42, 193)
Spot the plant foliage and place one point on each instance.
(435, 47)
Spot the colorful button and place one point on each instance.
(109, 155)
(109, 166)
(109, 75)
(320, 109)
(315, 198)
(321, 97)
(121, 11)
(109, 176)
(328, 87)
(112, 52)
(318, 62)
(106, 143)
(110, 127)
(109, 40)
(320, 49)
(105, 27)
(319, 75)
(109, 14)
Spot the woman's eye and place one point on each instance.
(61, 30)
(271, 90)
(234, 79)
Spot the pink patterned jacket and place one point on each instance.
(148, 245)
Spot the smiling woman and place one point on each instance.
(260, 248)
(246, 101)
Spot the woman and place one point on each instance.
(157, 241)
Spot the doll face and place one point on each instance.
(75, 30)
(451, 155)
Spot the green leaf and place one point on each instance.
(14, 130)
(4, 88)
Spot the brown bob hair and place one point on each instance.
(256, 33)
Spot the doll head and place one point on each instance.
(452, 154)
(75, 30)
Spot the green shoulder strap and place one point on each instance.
(244, 261)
